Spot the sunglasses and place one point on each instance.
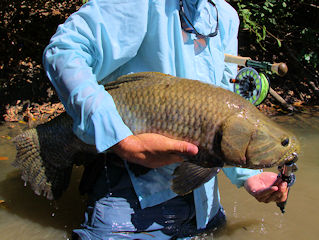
(188, 27)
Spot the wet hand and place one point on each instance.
(153, 150)
(266, 187)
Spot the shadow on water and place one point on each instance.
(231, 228)
(64, 214)
(308, 121)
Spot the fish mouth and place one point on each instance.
(287, 169)
(291, 159)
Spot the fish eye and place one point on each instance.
(285, 142)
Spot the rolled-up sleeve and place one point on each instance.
(94, 42)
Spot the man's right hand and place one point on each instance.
(153, 150)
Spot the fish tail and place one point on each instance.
(45, 157)
(29, 160)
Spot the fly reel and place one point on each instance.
(251, 85)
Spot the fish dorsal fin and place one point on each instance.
(189, 176)
(133, 77)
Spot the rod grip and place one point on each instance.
(241, 61)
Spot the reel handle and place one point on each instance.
(279, 68)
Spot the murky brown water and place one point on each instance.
(25, 216)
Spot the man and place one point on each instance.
(109, 38)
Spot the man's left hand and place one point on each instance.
(266, 187)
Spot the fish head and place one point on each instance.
(255, 141)
(271, 145)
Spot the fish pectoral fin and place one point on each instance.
(189, 176)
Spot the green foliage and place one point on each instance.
(310, 54)
(292, 23)
(260, 16)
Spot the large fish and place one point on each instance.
(227, 129)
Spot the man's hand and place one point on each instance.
(153, 150)
(266, 187)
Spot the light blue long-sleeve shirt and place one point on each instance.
(109, 38)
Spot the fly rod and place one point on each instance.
(279, 68)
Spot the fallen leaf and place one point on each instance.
(6, 137)
(298, 103)
(3, 204)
